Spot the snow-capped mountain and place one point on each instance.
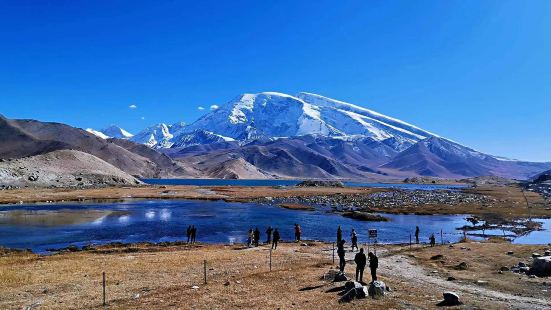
(97, 133)
(199, 137)
(271, 115)
(309, 135)
(116, 132)
(156, 136)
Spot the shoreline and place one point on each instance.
(506, 202)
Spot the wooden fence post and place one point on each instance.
(104, 301)
(205, 270)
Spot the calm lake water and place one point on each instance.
(40, 227)
(224, 182)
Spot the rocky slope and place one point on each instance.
(62, 168)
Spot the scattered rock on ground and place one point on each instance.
(450, 299)
(377, 289)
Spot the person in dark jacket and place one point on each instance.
(269, 235)
(417, 234)
(354, 239)
(373, 265)
(256, 236)
(188, 233)
(361, 261)
(276, 239)
(341, 252)
(432, 240)
(193, 233)
(339, 234)
(298, 232)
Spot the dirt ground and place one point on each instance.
(155, 277)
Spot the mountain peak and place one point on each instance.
(115, 131)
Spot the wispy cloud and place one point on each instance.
(200, 108)
(214, 107)
(143, 117)
(133, 106)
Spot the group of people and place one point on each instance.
(191, 233)
(360, 259)
(272, 236)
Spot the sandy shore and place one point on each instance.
(153, 277)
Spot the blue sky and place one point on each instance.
(477, 72)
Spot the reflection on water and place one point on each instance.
(40, 227)
(55, 218)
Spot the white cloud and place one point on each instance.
(200, 108)
(133, 106)
(214, 107)
(143, 117)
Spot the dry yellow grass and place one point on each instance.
(156, 277)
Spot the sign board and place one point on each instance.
(372, 233)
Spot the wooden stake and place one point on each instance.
(104, 301)
(205, 270)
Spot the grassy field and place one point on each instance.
(154, 277)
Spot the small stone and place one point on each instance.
(136, 296)
(510, 253)
(450, 278)
(227, 283)
(536, 255)
(504, 268)
(195, 287)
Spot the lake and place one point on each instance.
(270, 182)
(43, 226)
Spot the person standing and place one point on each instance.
(250, 238)
(193, 234)
(297, 232)
(373, 265)
(417, 234)
(188, 233)
(361, 261)
(341, 253)
(269, 235)
(339, 234)
(256, 236)
(432, 240)
(276, 239)
(354, 239)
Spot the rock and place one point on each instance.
(547, 253)
(541, 266)
(354, 293)
(451, 278)
(437, 257)
(504, 268)
(351, 285)
(462, 266)
(340, 277)
(195, 287)
(136, 296)
(524, 269)
(450, 299)
(522, 264)
(481, 282)
(227, 283)
(377, 289)
(534, 255)
(33, 178)
(510, 253)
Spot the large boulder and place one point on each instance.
(541, 266)
(450, 299)
(334, 275)
(377, 289)
(340, 277)
(352, 285)
(354, 293)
